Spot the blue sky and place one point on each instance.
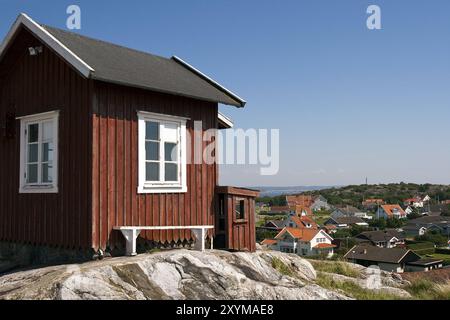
(349, 102)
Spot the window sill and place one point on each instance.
(161, 189)
(38, 189)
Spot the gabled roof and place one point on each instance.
(269, 242)
(348, 210)
(347, 220)
(111, 63)
(303, 234)
(275, 223)
(377, 254)
(303, 221)
(303, 200)
(391, 208)
(381, 235)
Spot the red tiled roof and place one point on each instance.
(279, 209)
(389, 208)
(269, 242)
(305, 234)
(373, 201)
(303, 200)
(304, 221)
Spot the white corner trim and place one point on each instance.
(227, 122)
(215, 83)
(49, 40)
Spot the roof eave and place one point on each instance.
(240, 102)
(49, 40)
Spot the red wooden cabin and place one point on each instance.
(95, 136)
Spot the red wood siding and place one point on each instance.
(115, 201)
(240, 234)
(31, 85)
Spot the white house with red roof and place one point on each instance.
(300, 222)
(305, 242)
(390, 211)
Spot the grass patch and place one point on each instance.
(439, 256)
(423, 289)
(154, 250)
(337, 267)
(281, 267)
(321, 219)
(351, 289)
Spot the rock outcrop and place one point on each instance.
(177, 274)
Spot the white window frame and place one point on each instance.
(160, 186)
(25, 187)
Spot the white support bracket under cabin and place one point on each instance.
(131, 234)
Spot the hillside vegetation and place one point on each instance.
(391, 193)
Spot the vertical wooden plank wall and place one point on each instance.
(115, 201)
(31, 85)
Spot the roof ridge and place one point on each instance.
(105, 42)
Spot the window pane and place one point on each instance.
(152, 171)
(170, 132)
(170, 151)
(152, 150)
(33, 130)
(47, 152)
(32, 173)
(171, 172)
(47, 131)
(47, 173)
(151, 130)
(32, 152)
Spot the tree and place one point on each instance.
(378, 223)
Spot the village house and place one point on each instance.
(300, 211)
(273, 225)
(300, 222)
(420, 226)
(389, 238)
(301, 200)
(390, 211)
(305, 242)
(97, 154)
(416, 202)
(346, 222)
(278, 210)
(412, 231)
(315, 203)
(320, 203)
(349, 211)
(391, 260)
(269, 243)
(372, 203)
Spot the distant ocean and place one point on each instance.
(277, 191)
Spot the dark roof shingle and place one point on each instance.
(117, 64)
